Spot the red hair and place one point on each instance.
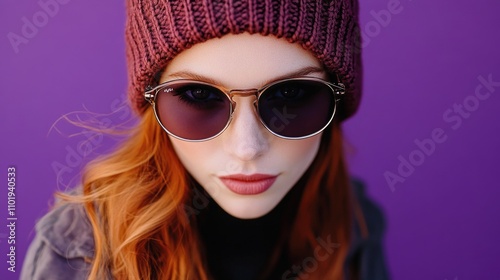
(136, 199)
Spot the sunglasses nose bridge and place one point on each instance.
(243, 92)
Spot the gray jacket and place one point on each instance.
(64, 245)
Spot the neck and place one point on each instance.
(241, 248)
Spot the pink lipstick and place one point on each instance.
(248, 184)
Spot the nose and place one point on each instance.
(246, 138)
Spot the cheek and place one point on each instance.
(193, 155)
(203, 159)
(299, 153)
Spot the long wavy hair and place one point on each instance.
(136, 200)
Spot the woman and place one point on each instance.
(235, 170)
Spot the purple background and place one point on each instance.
(443, 220)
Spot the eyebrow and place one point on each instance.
(297, 73)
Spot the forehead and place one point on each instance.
(242, 60)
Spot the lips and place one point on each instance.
(248, 184)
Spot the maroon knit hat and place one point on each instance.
(158, 30)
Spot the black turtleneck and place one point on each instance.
(240, 249)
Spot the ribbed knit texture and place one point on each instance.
(158, 30)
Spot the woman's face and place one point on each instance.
(246, 170)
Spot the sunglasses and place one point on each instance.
(294, 108)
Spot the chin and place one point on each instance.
(248, 207)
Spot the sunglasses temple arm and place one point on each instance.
(149, 94)
(338, 88)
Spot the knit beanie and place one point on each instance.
(158, 30)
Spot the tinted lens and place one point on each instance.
(297, 108)
(193, 111)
